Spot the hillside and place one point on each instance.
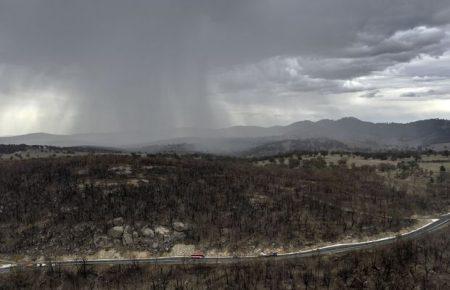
(426, 261)
(85, 204)
(343, 134)
(284, 146)
(351, 132)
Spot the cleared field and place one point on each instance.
(440, 146)
(426, 162)
(357, 160)
(435, 166)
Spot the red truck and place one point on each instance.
(198, 255)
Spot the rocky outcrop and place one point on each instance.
(127, 239)
(162, 231)
(116, 232)
(178, 236)
(180, 227)
(121, 170)
(101, 241)
(118, 221)
(147, 232)
(142, 236)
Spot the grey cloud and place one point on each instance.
(410, 95)
(371, 94)
(153, 65)
(417, 39)
(424, 94)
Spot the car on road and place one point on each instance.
(198, 255)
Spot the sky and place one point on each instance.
(113, 66)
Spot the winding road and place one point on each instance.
(435, 225)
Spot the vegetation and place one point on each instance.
(57, 206)
(422, 264)
(22, 151)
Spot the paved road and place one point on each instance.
(437, 224)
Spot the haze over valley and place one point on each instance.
(343, 134)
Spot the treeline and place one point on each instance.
(230, 203)
(10, 149)
(422, 264)
(380, 155)
(14, 148)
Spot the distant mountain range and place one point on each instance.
(343, 134)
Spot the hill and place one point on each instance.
(349, 133)
(343, 134)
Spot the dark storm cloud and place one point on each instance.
(417, 38)
(113, 65)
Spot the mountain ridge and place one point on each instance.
(351, 131)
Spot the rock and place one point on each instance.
(79, 227)
(83, 172)
(178, 236)
(155, 245)
(148, 232)
(163, 231)
(146, 241)
(101, 241)
(116, 232)
(118, 221)
(127, 239)
(226, 231)
(180, 227)
(167, 245)
(121, 170)
(135, 235)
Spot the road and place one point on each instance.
(435, 225)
